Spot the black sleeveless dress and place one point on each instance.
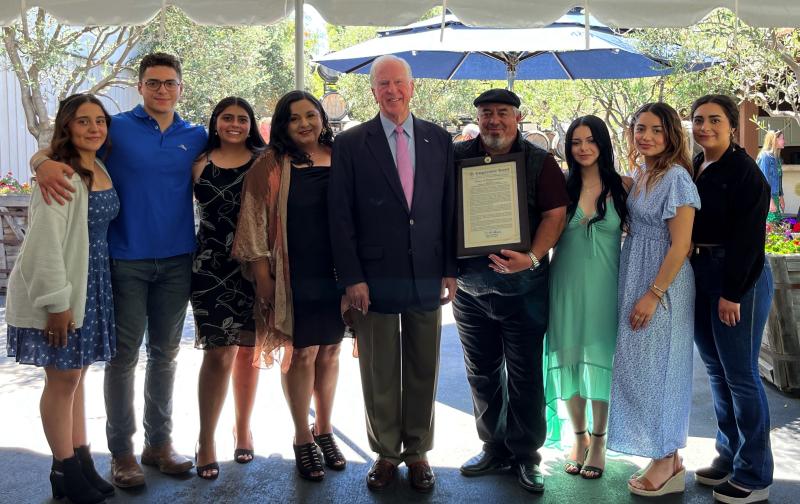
(222, 300)
(317, 319)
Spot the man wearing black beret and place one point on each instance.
(502, 302)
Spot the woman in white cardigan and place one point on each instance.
(59, 308)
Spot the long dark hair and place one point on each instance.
(279, 138)
(61, 146)
(254, 142)
(611, 180)
(676, 151)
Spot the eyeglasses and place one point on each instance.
(155, 84)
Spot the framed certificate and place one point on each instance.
(492, 205)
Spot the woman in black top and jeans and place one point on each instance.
(734, 293)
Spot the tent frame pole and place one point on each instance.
(299, 57)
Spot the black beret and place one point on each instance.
(497, 96)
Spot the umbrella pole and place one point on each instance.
(511, 60)
(299, 67)
(511, 77)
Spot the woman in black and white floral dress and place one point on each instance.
(222, 301)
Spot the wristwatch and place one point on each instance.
(534, 261)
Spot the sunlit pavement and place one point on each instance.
(25, 458)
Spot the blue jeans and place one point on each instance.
(149, 295)
(731, 358)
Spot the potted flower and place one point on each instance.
(14, 202)
(779, 360)
(10, 187)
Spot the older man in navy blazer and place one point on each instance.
(392, 194)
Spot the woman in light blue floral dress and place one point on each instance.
(59, 310)
(652, 380)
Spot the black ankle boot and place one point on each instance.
(66, 480)
(90, 473)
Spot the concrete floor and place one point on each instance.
(25, 458)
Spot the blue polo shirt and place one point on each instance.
(152, 174)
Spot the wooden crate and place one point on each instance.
(779, 359)
(14, 218)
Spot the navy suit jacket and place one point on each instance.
(402, 254)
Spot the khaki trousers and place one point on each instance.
(399, 361)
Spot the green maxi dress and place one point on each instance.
(582, 330)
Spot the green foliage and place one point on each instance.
(254, 62)
(763, 63)
(443, 102)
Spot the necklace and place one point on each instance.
(587, 188)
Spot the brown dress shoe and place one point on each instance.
(381, 475)
(165, 458)
(421, 476)
(126, 472)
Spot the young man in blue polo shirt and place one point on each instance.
(151, 244)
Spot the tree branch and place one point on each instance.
(12, 50)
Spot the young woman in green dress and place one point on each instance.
(582, 328)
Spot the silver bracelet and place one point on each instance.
(534, 261)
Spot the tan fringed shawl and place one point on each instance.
(260, 234)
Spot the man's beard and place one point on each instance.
(496, 142)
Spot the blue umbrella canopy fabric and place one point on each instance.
(557, 51)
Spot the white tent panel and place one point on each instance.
(137, 12)
(501, 13)
(669, 13)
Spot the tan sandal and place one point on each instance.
(675, 484)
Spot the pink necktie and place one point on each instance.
(404, 168)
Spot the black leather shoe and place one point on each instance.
(530, 477)
(484, 463)
(711, 476)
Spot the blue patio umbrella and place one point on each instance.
(557, 51)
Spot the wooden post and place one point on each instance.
(779, 359)
(748, 132)
(14, 222)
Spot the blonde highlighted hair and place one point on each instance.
(676, 150)
(771, 143)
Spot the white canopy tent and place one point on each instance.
(505, 13)
(502, 13)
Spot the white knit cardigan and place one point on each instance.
(51, 271)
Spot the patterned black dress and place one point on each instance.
(222, 300)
